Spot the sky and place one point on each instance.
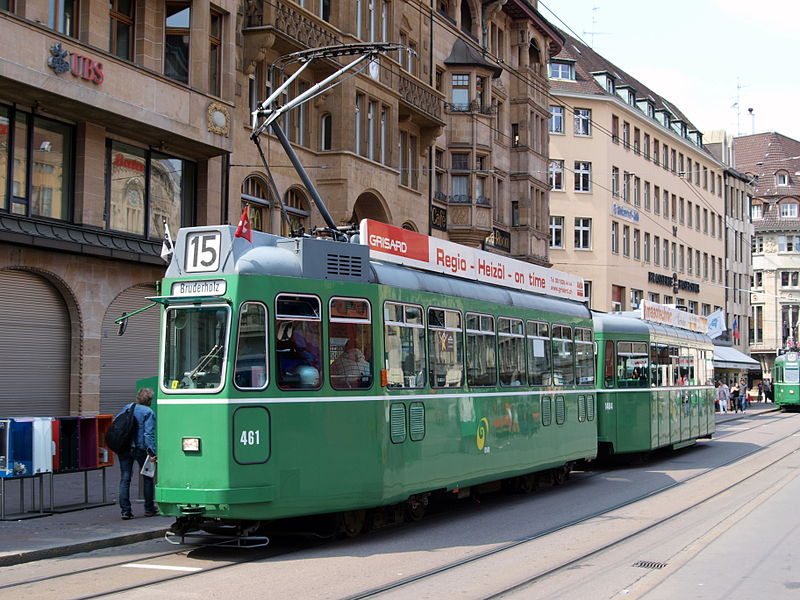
(713, 59)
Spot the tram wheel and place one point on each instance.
(525, 484)
(415, 510)
(353, 522)
(560, 475)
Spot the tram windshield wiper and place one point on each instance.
(204, 361)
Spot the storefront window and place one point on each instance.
(39, 163)
(50, 175)
(138, 203)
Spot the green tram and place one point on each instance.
(655, 384)
(786, 381)
(299, 377)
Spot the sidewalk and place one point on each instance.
(80, 530)
(88, 529)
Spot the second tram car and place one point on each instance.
(655, 383)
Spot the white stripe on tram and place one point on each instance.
(308, 399)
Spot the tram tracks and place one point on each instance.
(411, 584)
(163, 567)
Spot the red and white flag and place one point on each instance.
(243, 230)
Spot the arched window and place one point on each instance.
(255, 196)
(296, 210)
(325, 131)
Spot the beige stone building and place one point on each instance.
(113, 117)
(637, 204)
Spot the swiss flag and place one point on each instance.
(243, 230)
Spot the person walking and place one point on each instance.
(760, 389)
(734, 404)
(142, 446)
(743, 395)
(768, 395)
(723, 395)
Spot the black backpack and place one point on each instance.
(121, 432)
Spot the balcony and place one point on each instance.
(469, 220)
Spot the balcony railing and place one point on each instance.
(471, 107)
(460, 199)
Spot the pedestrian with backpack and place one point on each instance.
(140, 447)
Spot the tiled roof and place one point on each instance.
(764, 155)
(79, 240)
(587, 61)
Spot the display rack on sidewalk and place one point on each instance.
(32, 448)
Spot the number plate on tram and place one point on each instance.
(202, 251)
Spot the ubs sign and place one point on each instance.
(61, 61)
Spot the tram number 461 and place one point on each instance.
(250, 437)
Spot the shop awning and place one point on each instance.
(731, 358)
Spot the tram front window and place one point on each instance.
(791, 375)
(195, 347)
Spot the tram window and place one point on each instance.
(540, 356)
(685, 366)
(584, 356)
(511, 346)
(632, 364)
(404, 345)
(298, 331)
(674, 372)
(250, 369)
(791, 374)
(563, 357)
(660, 365)
(481, 351)
(608, 364)
(445, 348)
(195, 347)
(350, 343)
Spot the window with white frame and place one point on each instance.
(614, 237)
(583, 176)
(557, 175)
(556, 119)
(781, 178)
(556, 232)
(583, 233)
(562, 70)
(583, 121)
(788, 209)
(755, 210)
(615, 182)
(626, 240)
(637, 243)
(646, 248)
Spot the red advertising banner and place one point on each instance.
(397, 245)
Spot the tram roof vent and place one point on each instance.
(327, 259)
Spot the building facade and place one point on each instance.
(113, 120)
(448, 138)
(637, 203)
(773, 161)
(117, 117)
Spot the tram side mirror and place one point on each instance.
(123, 323)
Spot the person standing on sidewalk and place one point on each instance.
(734, 404)
(142, 446)
(723, 395)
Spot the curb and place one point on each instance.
(10, 559)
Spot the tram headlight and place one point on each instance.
(190, 444)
